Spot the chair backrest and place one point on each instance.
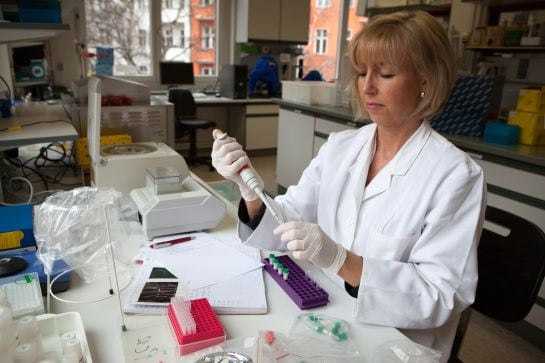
(511, 271)
(184, 103)
(511, 267)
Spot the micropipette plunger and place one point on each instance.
(248, 177)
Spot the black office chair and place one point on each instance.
(185, 111)
(511, 270)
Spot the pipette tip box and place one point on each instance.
(304, 291)
(209, 330)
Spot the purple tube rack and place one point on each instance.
(304, 292)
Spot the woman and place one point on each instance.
(392, 210)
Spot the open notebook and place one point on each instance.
(244, 294)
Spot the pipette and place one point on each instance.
(248, 177)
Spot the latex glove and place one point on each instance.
(309, 242)
(228, 158)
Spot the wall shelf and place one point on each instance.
(14, 32)
(518, 49)
(437, 10)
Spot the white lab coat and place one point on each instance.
(416, 224)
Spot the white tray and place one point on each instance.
(52, 326)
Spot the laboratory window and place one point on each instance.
(324, 35)
(187, 33)
(321, 41)
(110, 24)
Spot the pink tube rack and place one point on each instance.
(304, 292)
(209, 329)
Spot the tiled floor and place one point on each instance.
(485, 340)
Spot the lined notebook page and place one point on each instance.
(244, 294)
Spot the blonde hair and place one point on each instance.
(414, 40)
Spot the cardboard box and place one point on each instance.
(532, 126)
(531, 100)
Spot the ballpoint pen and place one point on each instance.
(171, 242)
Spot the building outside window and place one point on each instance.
(321, 52)
(321, 41)
(207, 37)
(168, 38)
(323, 3)
(207, 71)
(142, 37)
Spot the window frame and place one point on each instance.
(222, 42)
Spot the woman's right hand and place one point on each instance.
(229, 158)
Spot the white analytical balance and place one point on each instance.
(173, 203)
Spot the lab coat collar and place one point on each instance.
(399, 165)
(408, 153)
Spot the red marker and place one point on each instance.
(171, 242)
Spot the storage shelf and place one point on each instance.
(438, 10)
(29, 83)
(520, 49)
(14, 32)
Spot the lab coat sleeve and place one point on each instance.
(298, 204)
(440, 276)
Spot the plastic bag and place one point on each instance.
(313, 337)
(405, 351)
(78, 226)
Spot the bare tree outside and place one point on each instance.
(117, 24)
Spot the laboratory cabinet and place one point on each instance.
(261, 127)
(272, 20)
(300, 136)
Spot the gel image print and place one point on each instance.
(158, 292)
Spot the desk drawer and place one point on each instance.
(261, 110)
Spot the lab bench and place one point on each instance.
(252, 121)
(515, 174)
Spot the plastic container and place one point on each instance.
(309, 92)
(532, 126)
(54, 326)
(501, 133)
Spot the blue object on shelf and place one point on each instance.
(40, 11)
(472, 97)
(501, 133)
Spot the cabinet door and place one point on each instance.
(261, 132)
(323, 129)
(264, 19)
(294, 20)
(295, 139)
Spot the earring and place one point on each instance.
(422, 94)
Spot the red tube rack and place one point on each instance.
(209, 329)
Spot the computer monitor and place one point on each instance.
(176, 73)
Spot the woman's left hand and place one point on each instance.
(309, 242)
